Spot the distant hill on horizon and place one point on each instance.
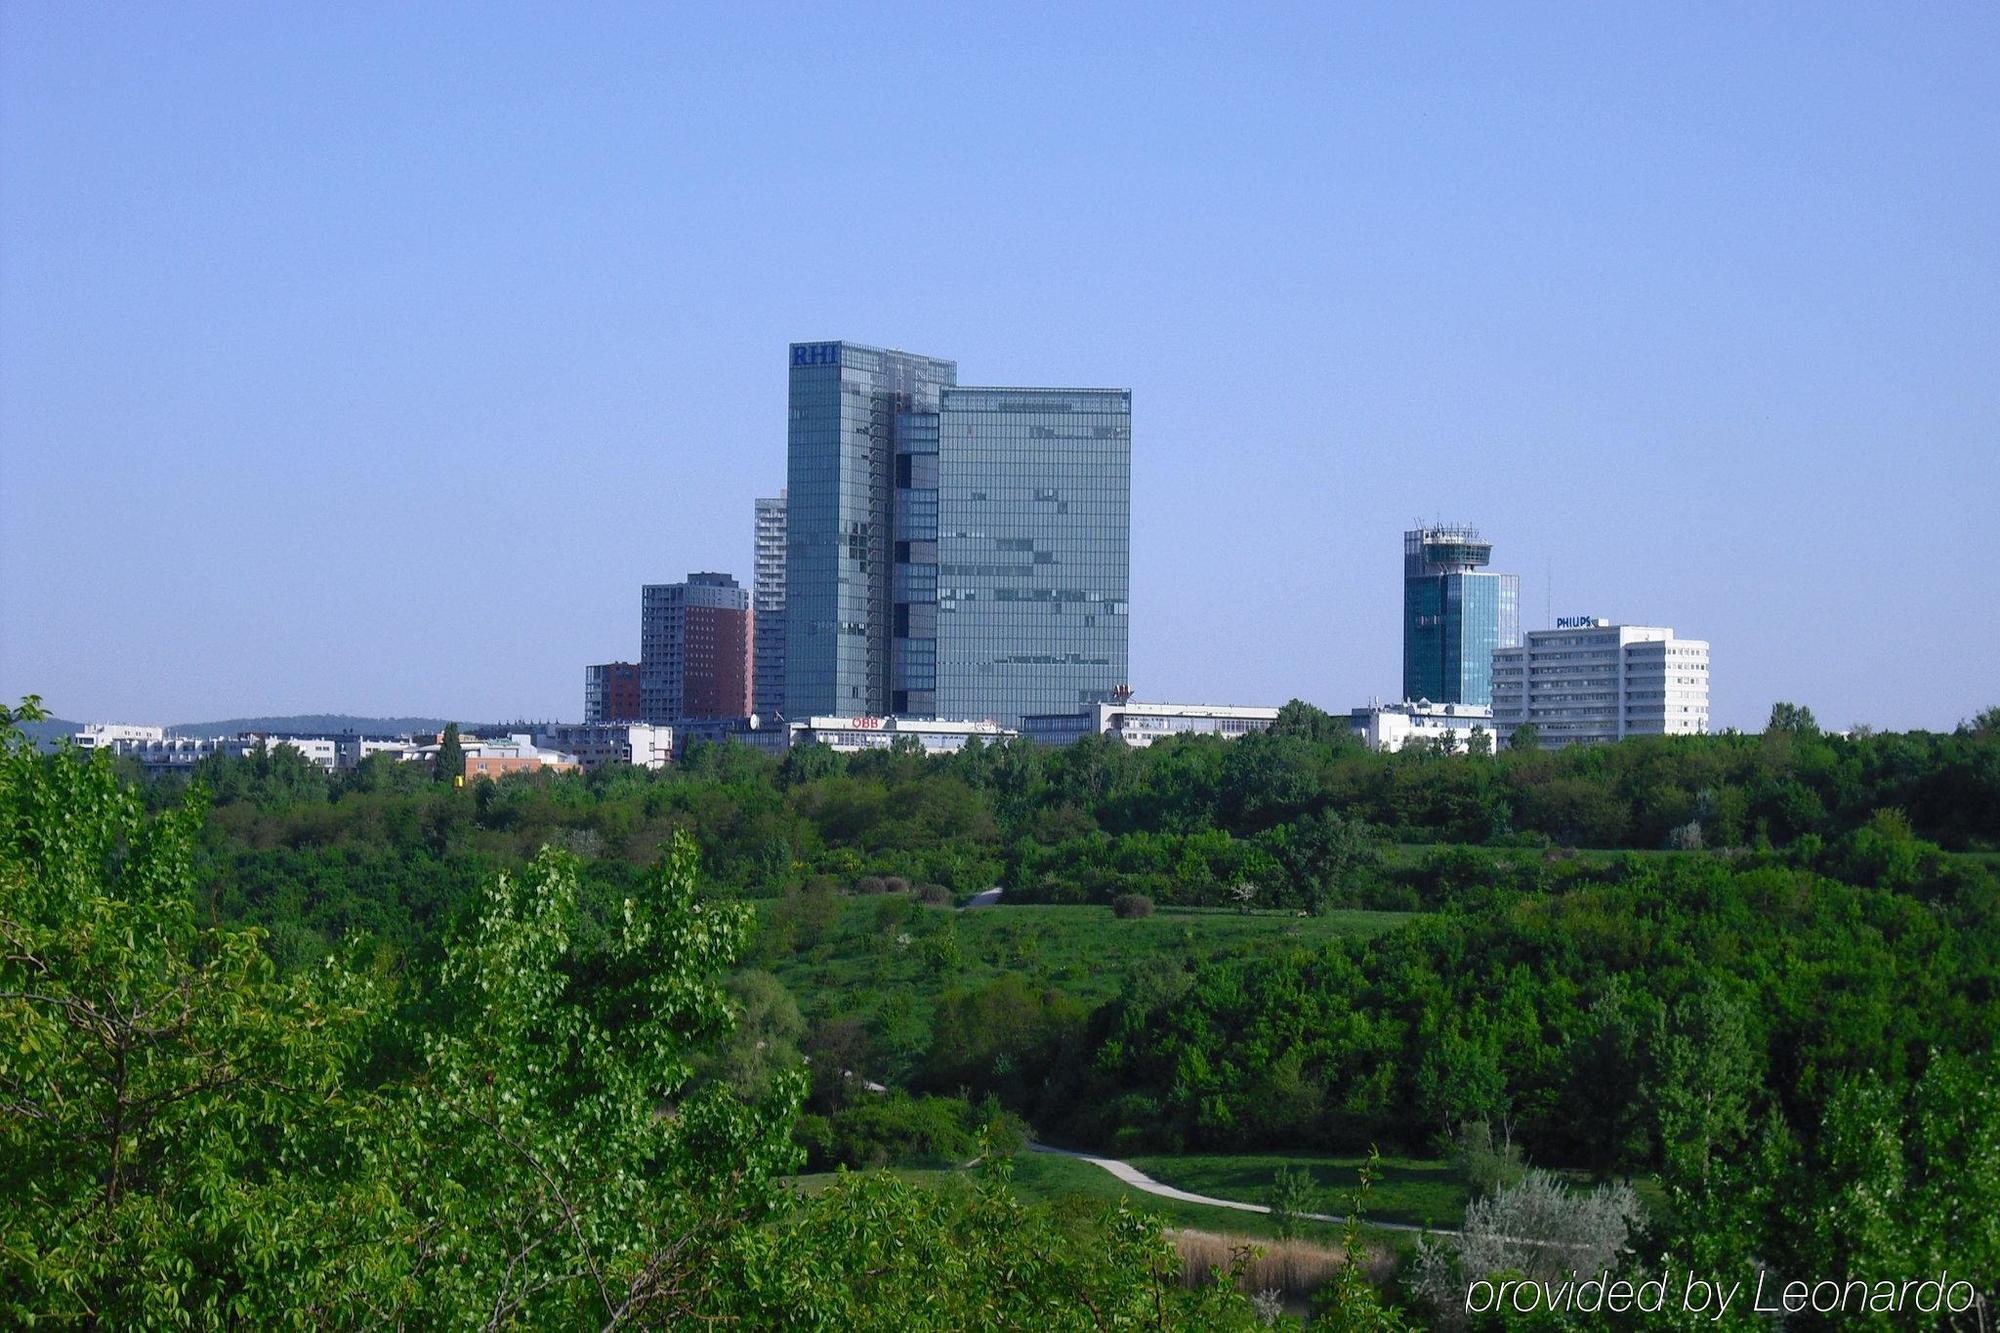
(317, 724)
(45, 734)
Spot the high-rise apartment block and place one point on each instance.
(767, 605)
(694, 649)
(951, 551)
(611, 693)
(1454, 615)
(1590, 680)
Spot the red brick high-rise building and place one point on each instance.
(694, 649)
(611, 693)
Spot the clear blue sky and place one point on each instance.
(369, 358)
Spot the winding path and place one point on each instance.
(1139, 1180)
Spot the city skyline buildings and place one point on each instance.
(951, 551)
(1508, 312)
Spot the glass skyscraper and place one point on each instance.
(1454, 616)
(1034, 523)
(952, 552)
(840, 472)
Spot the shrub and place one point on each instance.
(890, 1129)
(871, 884)
(1131, 906)
(1293, 1200)
(934, 895)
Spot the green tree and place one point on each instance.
(765, 1040)
(1985, 724)
(554, 1150)
(169, 1106)
(1791, 719)
(450, 756)
(1293, 1198)
(1299, 718)
(1706, 1071)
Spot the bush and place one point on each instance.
(894, 1129)
(1293, 1200)
(934, 895)
(871, 884)
(895, 884)
(1131, 906)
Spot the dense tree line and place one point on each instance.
(1763, 969)
(533, 1134)
(1302, 817)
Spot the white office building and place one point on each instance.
(1140, 724)
(1590, 680)
(849, 735)
(111, 735)
(158, 753)
(1392, 726)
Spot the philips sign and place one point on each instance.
(816, 354)
(1576, 622)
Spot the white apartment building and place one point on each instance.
(1590, 680)
(110, 735)
(596, 744)
(849, 735)
(159, 753)
(1382, 726)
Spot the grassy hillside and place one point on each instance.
(1410, 1191)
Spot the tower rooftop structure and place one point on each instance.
(1453, 549)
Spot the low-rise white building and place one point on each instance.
(596, 744)
(1140, 724)
(849, 735)
(157, 752)
(1392, 726)
(164, 754)
(109, 735)
(1590, 680)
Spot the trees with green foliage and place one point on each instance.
(1791, 720)
(189, 1139)
(450, 766)
(170, 1109)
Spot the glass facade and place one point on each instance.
(841, 465)
(767, 604)
(1454, 616)
(1033, 515)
